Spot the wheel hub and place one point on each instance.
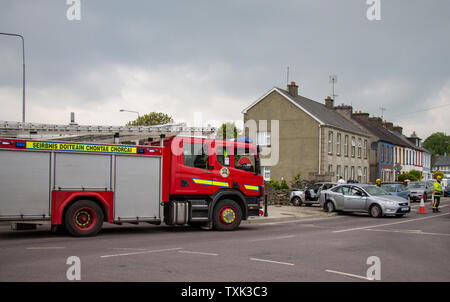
(227, 215)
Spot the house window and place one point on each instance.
(338, 144)
(359, 174)
(346, 145)
(338, 172)
(359, 147)
(263, 139)
(365, 149)
(352, 173)
(265, 172)
(330, 168)
(365, 175)
(353, 146)
(330, 142)
(345, 172)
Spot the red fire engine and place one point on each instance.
(178, 180)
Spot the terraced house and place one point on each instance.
(391, 153)
(314, 139)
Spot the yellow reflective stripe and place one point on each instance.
(199, 181)
(252, 188)
(202, 181)
(81, 147)
(220, 183)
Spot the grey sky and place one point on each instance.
(217, 57)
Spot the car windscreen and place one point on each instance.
(416, 186)
(375, 191)
(389, 188)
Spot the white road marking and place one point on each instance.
(271, 261)
(45, 248)
(386, 224)
(199, 253)
(142, 252)
(297, 220)
(272, 238)
(418, 232)
(346, 274)
(127, 249)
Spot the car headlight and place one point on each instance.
(388, 203)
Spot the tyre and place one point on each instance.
(375, 211)
(425, 197)
(329, 207)
(227, 215)
(83, 218)
(296, 201)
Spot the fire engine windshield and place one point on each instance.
(245, 159)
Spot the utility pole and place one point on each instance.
(23, 71)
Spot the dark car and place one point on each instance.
(447, 191)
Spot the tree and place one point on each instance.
(151, 119)
(228, 130)
(412, 175)
(437, 143)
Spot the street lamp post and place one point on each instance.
(123, 110)
(23, 71)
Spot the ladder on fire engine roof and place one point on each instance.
(18, 128)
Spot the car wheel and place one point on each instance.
(425, 197)
(375, 211)
(329, 207)
(296, 201)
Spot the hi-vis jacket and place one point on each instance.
(437, 188)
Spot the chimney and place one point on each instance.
(389, 126)
(293, 89)
(344, 110)
(362, 115)
(376, 120)
(329, 102)
(398, 129)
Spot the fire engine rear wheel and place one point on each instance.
(83, 218)
(227, 215)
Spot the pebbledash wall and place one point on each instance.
(302, 134)
(298, 136)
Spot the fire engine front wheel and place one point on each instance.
(83, 218)
(227, 215)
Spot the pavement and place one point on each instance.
(304, 248)
(278, 213)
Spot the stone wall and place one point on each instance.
(281, 197)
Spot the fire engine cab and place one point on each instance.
(177, 180)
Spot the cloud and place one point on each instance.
(217, 57)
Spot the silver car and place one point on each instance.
(363, 198)
(419, 188)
